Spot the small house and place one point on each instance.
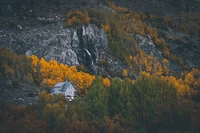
(67, 89)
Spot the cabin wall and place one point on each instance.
(70, 91)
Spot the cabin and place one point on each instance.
(67, 89)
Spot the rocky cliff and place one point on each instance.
(85, 44)
(39, 27)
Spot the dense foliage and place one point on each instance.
(150, 104)
(47, 74)
(122, 25)
(155, 102)
(77, 18)
(44, 74)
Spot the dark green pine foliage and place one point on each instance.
(122, 100)
(157, 101)
(96, 101)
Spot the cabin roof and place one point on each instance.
(63, 86)
(59, 84)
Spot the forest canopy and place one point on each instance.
(146, 97)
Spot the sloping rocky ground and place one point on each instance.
(146, 44)
(161, 7)
(189, 46)
(16, 93)
(34, 27)
(39, 27)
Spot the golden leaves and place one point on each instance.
(105, 27)
(77, 18)
(125, 73)
(51, 72)
(165, 61)
(106, 82)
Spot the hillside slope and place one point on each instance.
(161, 7)
(33, 27)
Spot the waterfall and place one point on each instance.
(89, 54)
(83, 31)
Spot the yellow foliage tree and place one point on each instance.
(77, 18)
(189, 79)
(145, 74)
(125, 73)
(165, 61)
(82, 81)
(35, 61)
(106, 82)
(105, 27)
(117, 8)
(197, 83)
(159, 69)
(51, 72)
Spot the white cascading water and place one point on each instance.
(89, 56)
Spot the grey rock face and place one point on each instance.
(38, 27)
(72, 46)
(146, 44)
(188, 48)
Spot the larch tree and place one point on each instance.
(106, 82)
(125, 73)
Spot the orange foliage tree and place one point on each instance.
(77, 18)
(106, 82)
(125, 73)
(49, 73)
(184, 88)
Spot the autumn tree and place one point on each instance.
(54, 116)
(81, 127)
(106, 27)
(77, 17)
(110, 126)
(125, 73)
(106, 82)
(29, 123)
(52, 110)
(15, 67)
(47, 74)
